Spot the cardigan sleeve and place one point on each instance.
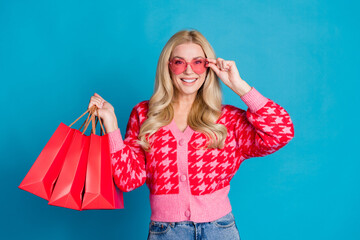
(127, 156)
(264, 128)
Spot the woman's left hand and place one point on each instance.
(229, 74)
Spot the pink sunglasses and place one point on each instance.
(179, 65)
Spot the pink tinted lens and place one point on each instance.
(178, 66)
(198, 65)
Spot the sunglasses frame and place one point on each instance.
(171, 62)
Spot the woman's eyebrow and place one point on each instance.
(177, 57)
(184, 58)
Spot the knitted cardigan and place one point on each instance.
(188, 182)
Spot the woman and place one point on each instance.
(187, 146)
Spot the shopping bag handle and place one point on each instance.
(101, 129)
(88, 120)
(91, 113)
(90, 110)
(95, 122)
(85, 122)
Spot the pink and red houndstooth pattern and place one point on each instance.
(250, 134)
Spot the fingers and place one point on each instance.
(99, 97)
(102, 101)
(213, 66)
(221, 64)
(96, 100)
(224, 65)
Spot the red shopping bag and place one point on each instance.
(41, 177)
(100, 190)
(68, 190)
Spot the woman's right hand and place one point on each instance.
(106, 112)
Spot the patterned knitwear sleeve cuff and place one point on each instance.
(254, 100)
(115, 140)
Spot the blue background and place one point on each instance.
(304, 55)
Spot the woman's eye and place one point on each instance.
(198, 62)
(178, 62)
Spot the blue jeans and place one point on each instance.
(223, 228)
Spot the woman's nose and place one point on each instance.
(188, 69)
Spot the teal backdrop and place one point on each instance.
(304, 55)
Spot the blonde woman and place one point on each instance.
(186, 145)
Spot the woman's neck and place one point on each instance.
(183, 103)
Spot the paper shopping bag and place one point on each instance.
(41, 177)
(44, 172)
(69, 186)
(100, 190)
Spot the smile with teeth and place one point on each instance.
(188, 80)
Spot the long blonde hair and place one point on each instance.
(206, 108)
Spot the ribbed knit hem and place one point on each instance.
(115, 140)
(188, 207)
(254, 100)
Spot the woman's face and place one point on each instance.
(188, 82)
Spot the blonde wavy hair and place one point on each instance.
(206, 108)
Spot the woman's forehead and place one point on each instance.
(188, 51)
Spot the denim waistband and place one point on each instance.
(228, 216)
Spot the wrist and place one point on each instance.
(110, 123)
(242, 89)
